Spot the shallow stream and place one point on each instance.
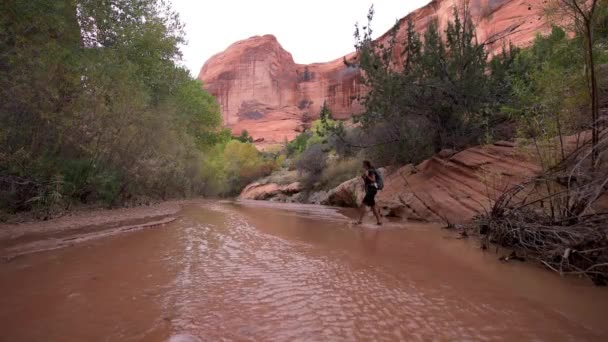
(260, 272)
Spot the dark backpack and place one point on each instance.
(379, 180)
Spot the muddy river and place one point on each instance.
(256, 272)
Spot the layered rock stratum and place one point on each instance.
(262, 89)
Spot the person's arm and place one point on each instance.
(371, 176)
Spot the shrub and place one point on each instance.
(298, 145)
(312, 160)
(228, 169)
(339, 171)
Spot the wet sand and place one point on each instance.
(267, 272)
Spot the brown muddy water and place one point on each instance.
(259, 272)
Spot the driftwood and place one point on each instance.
(555, 219)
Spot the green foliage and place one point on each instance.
(338, 171)
(549, 94)
(442, 87)
(298, 145)
(245, 137)
(228, 168)
(320, 133)
(94, 107)
(446, 94)
(326, 126)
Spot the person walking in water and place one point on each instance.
(370, 178)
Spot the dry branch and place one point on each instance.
(562, 226)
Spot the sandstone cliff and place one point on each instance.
(260, 88)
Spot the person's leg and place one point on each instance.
(361, 213)
(377, 214)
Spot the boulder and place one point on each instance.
(349, 193)
(269, 191)
(317, 197)
(456, 189)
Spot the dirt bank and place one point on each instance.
(19, 239)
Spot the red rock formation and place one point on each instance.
(261, 88)
(444, 188)
(456, 188)
(259, 191)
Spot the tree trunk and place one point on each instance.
(594, 94)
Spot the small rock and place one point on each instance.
(446, 153)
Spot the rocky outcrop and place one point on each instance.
(349, 193)
(269, 191)
(449, 187)
(457, 188)
(261, 89)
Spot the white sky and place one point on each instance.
(312, 30)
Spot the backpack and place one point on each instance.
(379, 180)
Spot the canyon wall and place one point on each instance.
(261, 89)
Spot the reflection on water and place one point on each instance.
(257, 273)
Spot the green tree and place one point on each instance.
(244, 137)
(442, 87)
(94, 107)
(584, 16)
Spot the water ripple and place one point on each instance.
(242, 284)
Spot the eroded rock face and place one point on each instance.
(444, 188)
(269, 191)
(261, 89)
(456, 188)
(347, 194)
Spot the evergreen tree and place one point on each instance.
(442, 86)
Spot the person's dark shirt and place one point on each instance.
(367, 180)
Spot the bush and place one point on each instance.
(298, 145)
(281, 177)
(312, 161)
(105, 124)
(244, 137)
(442, 86)
(228, 169)
(339, 171)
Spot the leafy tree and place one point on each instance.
(94, 107)
(298, 145)
(442, 86)
(548, 90)
(244, 164)
(584, 16)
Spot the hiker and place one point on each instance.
(371, 178)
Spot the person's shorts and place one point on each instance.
(370, 197)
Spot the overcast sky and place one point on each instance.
(312, 30)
